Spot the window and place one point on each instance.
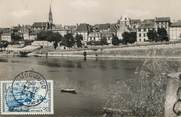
(139, 35)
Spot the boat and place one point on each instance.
(23, 54)
(73, 91)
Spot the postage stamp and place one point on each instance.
(28, 94)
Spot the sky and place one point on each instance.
(68, 12)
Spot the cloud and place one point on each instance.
(21, 13)
(136, 12)
(84, 3)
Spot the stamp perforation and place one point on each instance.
(28, 113)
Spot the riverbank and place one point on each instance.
(157, 51)
(170, 51)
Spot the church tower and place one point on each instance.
(50, 17)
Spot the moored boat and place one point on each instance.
(73, 91)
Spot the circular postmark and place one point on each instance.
(29, 88)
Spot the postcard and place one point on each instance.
(90, 58)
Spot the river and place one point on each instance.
(99, 83)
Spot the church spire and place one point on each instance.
(50, 18)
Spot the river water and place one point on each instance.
(99, 83)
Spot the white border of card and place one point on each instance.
(50, 102)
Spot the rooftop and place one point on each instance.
(83, 28)
(135, 21)
(40, 24)
(148, 21)
(103, 26)
(162, 19)
(147, 25)
(176, 24)
(6, 34)
(114, 27)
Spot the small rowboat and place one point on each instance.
(73, 91)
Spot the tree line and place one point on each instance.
(68, 40)
(158, 36)
(127, 38)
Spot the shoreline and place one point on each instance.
(164, 51)
(107, 57)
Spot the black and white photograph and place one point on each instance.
(90, 58)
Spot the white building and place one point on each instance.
(32, 36)
(143, 30)
(124, 26)
(163, 22)
(26, 36)
(175, 31)
(42, 43)
(6, 37)
(29, 36)
(94, 36)
(108, 35)
(84, 30)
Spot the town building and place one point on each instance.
(114, 28)
(124, 26)
(6, 36)
(175, 31)
(125, 20)
(72, 28)
(94, 36)
(26, 35)
(32, 36)
(135, 23)
(102, 27)
(50, 19)
(84, 30)
(42, 43)
(163, 22)
(108, 36)
(63, 30)
(143, 29)
(40, 26)
(97, 36)
(100, 31)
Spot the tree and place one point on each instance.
(55, 37)
(115, 40)
(152, 35)
(103, 41)
(16, 36)
(68, 40)
(3, 44)
(55, 45)
(125, 36)
(50, 37)
(132, 37)
(162, 34)
(129, 37)
(42, 36)
(78, 39)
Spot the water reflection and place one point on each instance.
(101, 83)
(3, 60)
(143, 95)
